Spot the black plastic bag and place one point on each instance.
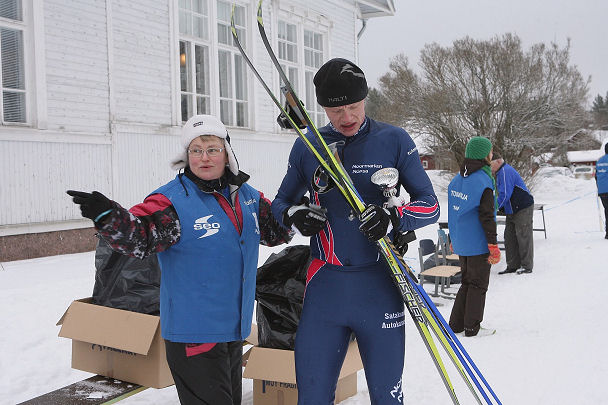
(126, 282)
(281, 281)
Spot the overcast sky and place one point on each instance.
(418, 22)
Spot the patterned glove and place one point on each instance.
(376, 221)
(494, 256)
(308, 219)
(92, 205)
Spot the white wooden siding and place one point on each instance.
(35, 175)
(141, 61)
(76, 65)
(110, 99)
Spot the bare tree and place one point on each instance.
(527, 103)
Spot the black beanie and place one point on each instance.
(339, 82)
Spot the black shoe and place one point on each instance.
(507, 271)
(524, 271)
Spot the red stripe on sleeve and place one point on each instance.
(152, 204)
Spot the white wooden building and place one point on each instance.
(94, 93)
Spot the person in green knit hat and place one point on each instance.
(472, 226)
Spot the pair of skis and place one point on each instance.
(425, 315)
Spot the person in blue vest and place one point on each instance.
(349, 287)
(206, 226)
(601, 178)
(472, 226)
(516, 202)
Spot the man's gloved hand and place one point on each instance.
(92, 205)
(308, 219)
(376, 221)
(494, 256)
(284, 122)
(402, 238)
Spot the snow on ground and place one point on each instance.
(548, 348)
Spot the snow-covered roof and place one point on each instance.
(585, 155)
(376, 8)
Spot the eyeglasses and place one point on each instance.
(211, 152)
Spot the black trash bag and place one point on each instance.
(281, 281)
(126, 282)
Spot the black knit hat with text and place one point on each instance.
(339, 82)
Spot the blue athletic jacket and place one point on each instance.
(601, 174)
(208, 277)
(513, 195)
(464, 195)
(377, 145)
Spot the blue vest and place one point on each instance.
(601, 173)
(208, 277)
(464, 195)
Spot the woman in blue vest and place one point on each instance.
(472, 225)
(205, 225)
(601, 178)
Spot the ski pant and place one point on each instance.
(210, 378)
(519, 241)
(338, 302)
(467, 312)
(604, 198)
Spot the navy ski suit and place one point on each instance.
(349, 288)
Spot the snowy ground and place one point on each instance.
(549, 347)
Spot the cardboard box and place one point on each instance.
(115, 343)
(274, 375)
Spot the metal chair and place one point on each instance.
(441, 271)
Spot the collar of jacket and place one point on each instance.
(470, 166)
(217, 185)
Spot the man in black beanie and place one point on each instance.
(349, 288)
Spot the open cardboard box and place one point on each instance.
(115, 343)
(274, 375)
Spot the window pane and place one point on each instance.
(185, 4)
(11, 9)
(186, 107)
(12, 59)
(224, 36)
(200, 6)
(292, 75)
(14, 106)
(224, 10)
(184, 66)
(226, 112)
(225, 74)
(185, 23)
(201, 60)
(202, 105)
(240, 78)
(241, 114)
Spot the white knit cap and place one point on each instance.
(204, 125)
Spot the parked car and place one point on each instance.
(584, 172)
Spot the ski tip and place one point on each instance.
(260, 21)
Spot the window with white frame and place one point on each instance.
(204, 90)
(313, 59)
(233, 94)
(288, 52)
(301, 50)
(12, 74)
(194, 58)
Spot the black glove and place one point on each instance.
(284, 122)
(376, 221)
(308, 219)
(92, 205)
(402, 238)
